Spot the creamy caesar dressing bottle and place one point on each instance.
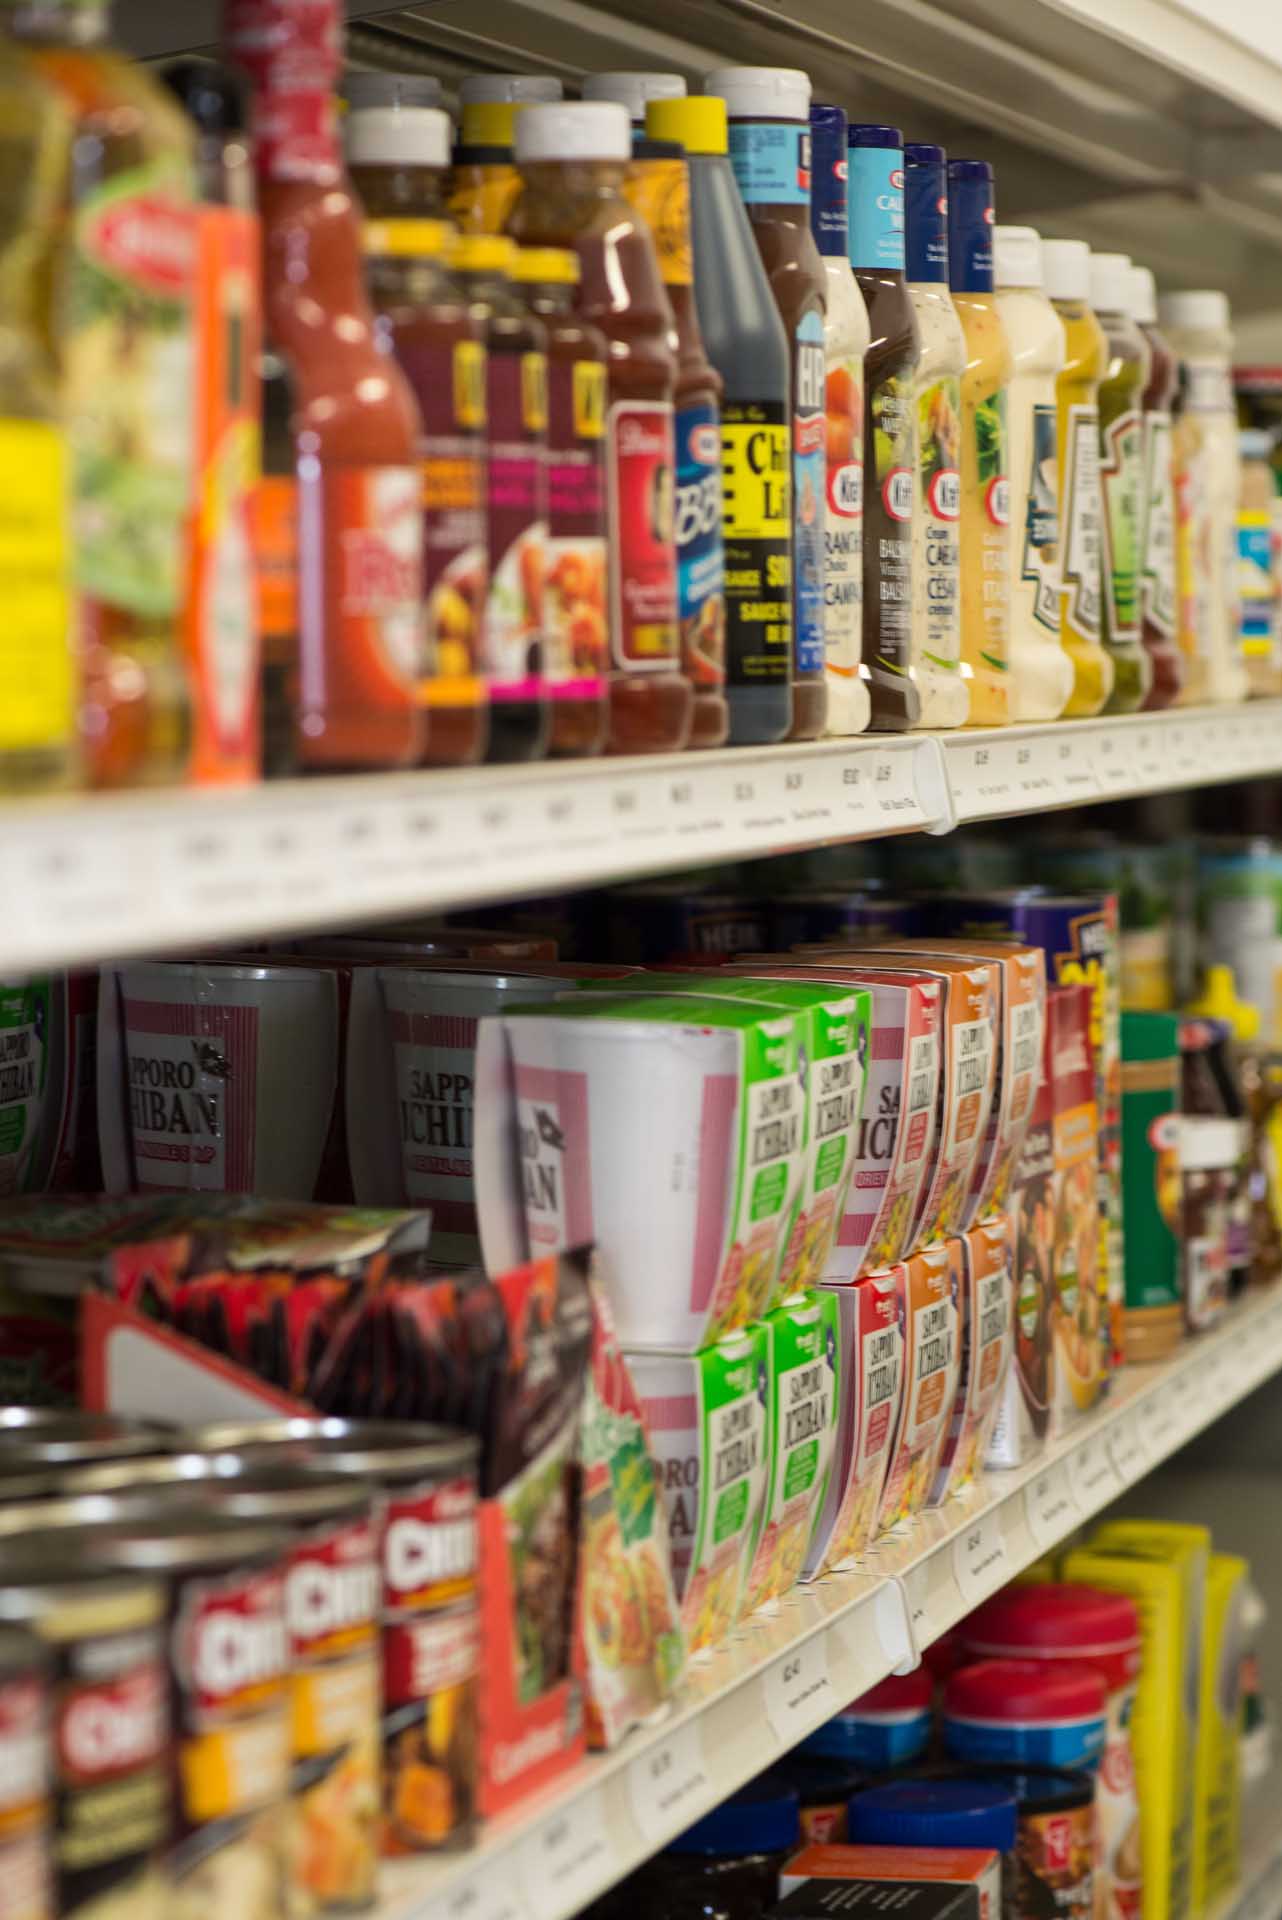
(1041, 672)
(1066, 266)
(1208, 482)
(1159, 592)
(846, 337)
(1121, 465)
(945, 693)
(985, 458)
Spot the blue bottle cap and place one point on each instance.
(764, 1818)
(861, 134)
(828, 176)
(970, 226)
(934, 1813)
(876, 165)
(926, 212)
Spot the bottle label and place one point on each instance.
(926, 188)
(370, 548)
(939, 450)
(1257, 602)
(482, 197)
(1038, 567)
(574, 611)
(756, 503)
(1082, 511)
(641, 466)
(1122, 481)
(1161, 595)
(888, 609)
(516, 391)
(771, 161)
(990, 457)
(292, 50)
(844, 522)
(39, 705)
(275, 524)
(809, 489)
(829, 194)
(1206, 387)
(659, 190)
(451, 394)
(701, 569)
(876, 207)
(1194, 541)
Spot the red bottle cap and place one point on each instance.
(1025, 1690)
(1059, 1622)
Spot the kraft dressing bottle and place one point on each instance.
(1159, 579)
(1121, 448)
(1066, 265)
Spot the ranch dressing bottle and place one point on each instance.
(945, 694)
(846, 336)
(1041, 672)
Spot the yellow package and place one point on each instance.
(1217, 1832)
(1162, 1738)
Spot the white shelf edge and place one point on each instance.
(786, 1672)
(88, 878)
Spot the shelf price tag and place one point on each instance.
(1112, 761)
(1127, 1450)
(894, 787)
(1050, 1506)
(571, 1857)
(1161, 1416)
(980, 1560)
(1075, 774)
(492, 1895)
(1149, 758)
(1094, 1473)
(669, 1785)
(799, 1694)
(981, 778)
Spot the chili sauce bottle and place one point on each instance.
(1159, 579)
(1121, 466)
(574, 160)
(745, 341)
(397, 137)
(985, 461)
(769, 114)
(875, 156)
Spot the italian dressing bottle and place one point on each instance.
(845, 344)
(1121, 451)
(1041, 672)
(1066, 267)
(945, 693)
(1159, 583)
(985, 462)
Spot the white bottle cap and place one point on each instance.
(397, 137)
(762, 93)
(1066, 269)
(1017, 257)
(573, 130)
(1111, 282)
(1200, 312)
(1143, 296)
(634, 90)
(368, 88)
(510, 86)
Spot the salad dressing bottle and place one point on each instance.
(1159, 579)
(1121, 444)
(1066, 266)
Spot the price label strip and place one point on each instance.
(799, 1694)
(669, 1786)
(492, 1895)
(981, 1563)
(1094, 1474)
(1127, 1450)
(570, 1859)
(1050, 1506)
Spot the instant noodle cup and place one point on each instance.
(932, 1343)
(804, 1397)
(707, 1416)
(987, 1338)
(667, 1131)
(870, 1319)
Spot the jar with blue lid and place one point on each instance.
(888, 1727)
(725, 1867)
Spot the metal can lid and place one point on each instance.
(35, 1436)
(383, 1449)
(109, 1533)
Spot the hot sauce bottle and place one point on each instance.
(573, 160)
(574, 582)
(356, 428)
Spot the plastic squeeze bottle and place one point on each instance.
(1066, 266)
(1121, 449)
(1159, 583)
(845, 344)
(769, 113)
(985, 460)
(634, 91)
(1198, 328)
(875, 156)
(945, 694)
(744, 338)
(1041, 672)
(397, 137)
(1258, 585)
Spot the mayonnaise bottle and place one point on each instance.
(1042, 674)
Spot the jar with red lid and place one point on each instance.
(1030, 1713)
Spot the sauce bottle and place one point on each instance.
(1121, 426)
(658, 187)
(484, 182)
(397, 137)
(356, 427)
(985, 461)
(516, 496)
(440, 345)
(576, 570)
(769, 114)
(945, 693)
(747, 345)
(875, 156)
(634, 91)
(1159, 580)
(521, 88)
(1066, 265)
(573, 161)
(1258, 585)
(845, 344)
(1042, 674)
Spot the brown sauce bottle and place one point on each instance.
(397, 137)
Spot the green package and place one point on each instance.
(802, 1338)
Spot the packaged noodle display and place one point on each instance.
(1076, 1307)
(933, 1285)
(802, 1342)
(1024, 1406)
(987, 1340)
(871, 1316)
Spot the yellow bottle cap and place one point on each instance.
(481, 253)
(406, 239)
(1218, 1001)
(698, 124)
(488, 123)
(546, 266)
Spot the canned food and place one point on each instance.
(26, 1807)
(150, 1476)
(111, 1743)
(55, 1436)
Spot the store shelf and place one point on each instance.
(1258, 1894)
(787, 1672)
(135, 873)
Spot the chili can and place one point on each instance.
(26, 1803)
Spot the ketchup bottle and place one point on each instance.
(356, 428)
(573, 160)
